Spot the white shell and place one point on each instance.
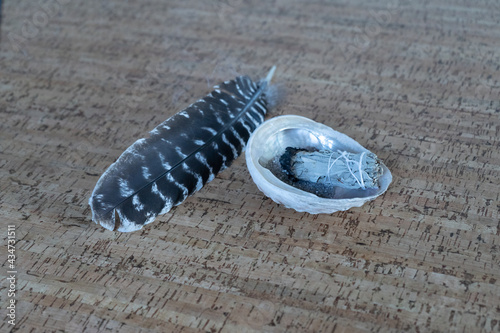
(271, 139)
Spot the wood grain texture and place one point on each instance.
(416, 83)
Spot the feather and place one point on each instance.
(180, 156)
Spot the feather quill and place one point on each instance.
(180, 156)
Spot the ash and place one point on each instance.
(321, 190)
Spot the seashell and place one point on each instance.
(270, 141)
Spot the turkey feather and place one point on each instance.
(180, 155)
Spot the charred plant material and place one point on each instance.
(332, 168)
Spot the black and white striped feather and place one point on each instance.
(180, 156)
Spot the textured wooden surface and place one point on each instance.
(416, 83)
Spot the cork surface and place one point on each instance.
(414, 82)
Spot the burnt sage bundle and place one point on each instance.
(180, 155)
(323, 171)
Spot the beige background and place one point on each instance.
(414, 82)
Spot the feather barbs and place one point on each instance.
(180, 155)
